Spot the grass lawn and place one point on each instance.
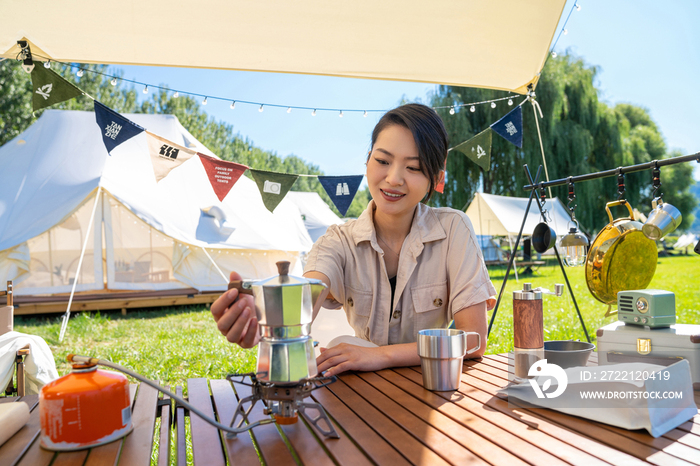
(173, 344)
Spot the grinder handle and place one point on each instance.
(238, 284)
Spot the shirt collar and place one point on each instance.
(425, 224)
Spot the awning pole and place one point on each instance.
(64, 324)
(515, 269)
(226, 279)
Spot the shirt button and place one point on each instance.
(437, 302)
(397, 314)
(350, 303)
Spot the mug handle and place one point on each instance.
(478, 344)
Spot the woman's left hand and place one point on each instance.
(346, 357)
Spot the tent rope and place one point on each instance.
(539, 135)
(66, 316)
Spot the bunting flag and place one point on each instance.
(273, 186)
(341, 189)
(510, 127)
(50, 88)
(478, 149)
(222, 174)
(166, 155)
(115, 128)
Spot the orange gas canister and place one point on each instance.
(85, 408)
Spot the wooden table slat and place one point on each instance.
(373, 445)
(18, 444)
(529, 422)
(510, 435)
(305, 444)
(138, 445)
(105, 455)
(399, 438)
(179, 427)
(206, 440)
(470, 431)
(35, 455)
(600, 432)
(164, 438)
(70, 458)
(270, 443)
(241, 449)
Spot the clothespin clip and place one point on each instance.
(26, 54)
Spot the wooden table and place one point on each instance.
(383, 417)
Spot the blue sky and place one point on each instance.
(648, 54)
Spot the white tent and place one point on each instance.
(441, 41)
(494, 215)
(145, 235)
(315, 212)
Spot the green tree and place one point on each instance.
(580, 135)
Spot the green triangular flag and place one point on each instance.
(50, 88)
(478, 149)
(273, 186)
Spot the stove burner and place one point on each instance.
(283, 401)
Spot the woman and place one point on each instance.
(400, 267)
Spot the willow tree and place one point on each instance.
(580, 135)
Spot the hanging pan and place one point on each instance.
(620, 258)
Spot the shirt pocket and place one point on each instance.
(358, 308)
(430, 305)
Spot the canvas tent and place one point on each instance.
(315, 212)
(387, 39)
(494, 215)
(145, 235)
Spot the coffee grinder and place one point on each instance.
(528, 327)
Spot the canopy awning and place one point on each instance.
(498, 44)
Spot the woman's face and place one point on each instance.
(394, 177)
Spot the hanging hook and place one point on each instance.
(656, 180)
(620, 184)
(572, 198)
(543, 199)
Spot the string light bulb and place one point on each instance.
(493, 104)
(365, 114)
(289, 109)
(177, 94)
(554, 54)
(79, 73)
(204, 102)
(340, 115)
(261, 108)
(47, 64)
(113, 82)
(565, 31)
(313, 113)
(233, 105)
(145, 89)
(510, 102)
(578, 7)
(472, 109)
(452, 110)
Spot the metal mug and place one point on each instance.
(543, 237)
(442, 353)
(662, 220)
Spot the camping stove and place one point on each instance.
(283, 401)
(286, 371)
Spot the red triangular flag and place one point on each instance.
(222, 174)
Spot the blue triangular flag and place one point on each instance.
(114, 127)
(510, 127)
(341, 189)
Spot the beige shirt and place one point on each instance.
(441, 271)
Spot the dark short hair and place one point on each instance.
(429, 135)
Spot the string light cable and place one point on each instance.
(205, 98)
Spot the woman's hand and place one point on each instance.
(235, 317)
(346, 357)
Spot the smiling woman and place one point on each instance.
(400, 267)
